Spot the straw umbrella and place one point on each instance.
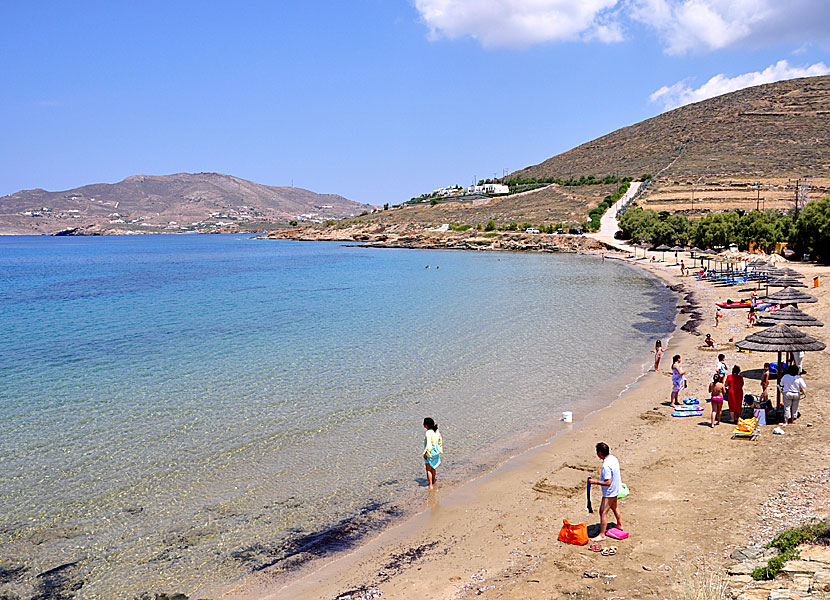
(662, 248)
(694, 251)
(780, 338)
(789, 315)
(790, 296)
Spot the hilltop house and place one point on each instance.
(488, 188)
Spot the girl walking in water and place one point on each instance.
(658, 353)
(678, 380)
(433, 446)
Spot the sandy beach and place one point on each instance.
(696, 494)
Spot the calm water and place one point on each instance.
(177, 411)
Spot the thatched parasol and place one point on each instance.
(789, 272)
(789, 315)
(780, 338)
(790, 296)
(784, 281)
(662, 248)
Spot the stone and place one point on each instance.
(800, 567)
(815, 553)
(743, 568)
(748, 553)
(753, 594)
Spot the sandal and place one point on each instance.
(609, 551)
(595, 548)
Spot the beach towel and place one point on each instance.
(617, 534)
(573, 534)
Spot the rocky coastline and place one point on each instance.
(411, 236)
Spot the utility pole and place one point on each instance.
(693, 198)
(758, 197)
(795, 199)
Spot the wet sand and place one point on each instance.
(696, 494)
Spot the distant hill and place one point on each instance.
(180, 202)
(775, 130)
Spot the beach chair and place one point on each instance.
(747, 428)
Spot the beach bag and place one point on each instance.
(624, 492)
(573, 534)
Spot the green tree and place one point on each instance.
(812, 230)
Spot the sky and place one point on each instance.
(376, 100)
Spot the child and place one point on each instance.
(765, 383)
(718, 316)
(751, 317)
(720, 366)
(716, 394)
(678, 380)
(658, 352)
(433, 447)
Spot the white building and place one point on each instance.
(488, 188)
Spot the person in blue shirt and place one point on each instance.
(611, 484)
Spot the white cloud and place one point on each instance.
(684, 26)
(520, 23)
(681, 93)
(704, 25)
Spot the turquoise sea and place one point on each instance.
(179, 411)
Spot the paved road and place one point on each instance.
(608, 225)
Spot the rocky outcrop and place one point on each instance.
(409, 236)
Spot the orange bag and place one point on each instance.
(573, 534)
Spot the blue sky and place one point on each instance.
(377, 100)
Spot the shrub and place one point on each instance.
(491, 225)
(787, 545)
(293, 223)
(491, 234)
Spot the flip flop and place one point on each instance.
(609, 551)
(595, 548)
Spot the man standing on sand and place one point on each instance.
(610, 482)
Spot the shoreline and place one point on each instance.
(412, 539)
(381, 519)
(633, 371)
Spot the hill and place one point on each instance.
(737, 151)
(180, 202)
(779, 129)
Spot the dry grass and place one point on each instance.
(705, 585)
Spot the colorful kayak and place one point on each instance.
(742, 304)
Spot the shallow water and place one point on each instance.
(177, 411)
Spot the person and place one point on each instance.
(716, 398)
(792, 386)
(734, 386)
(765, 383)
(433, 447)
(718, 316)
(720, 366)
(678, 379)
(682, 268)
(751, 317)
(658, 353)
(798, 359)
(710, 343)
(611, 487)
(753, 301)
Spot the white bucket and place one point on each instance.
(568, 416)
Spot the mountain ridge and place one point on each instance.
(175, 202)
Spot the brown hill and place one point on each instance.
(180, 202)
(775, 130)
(705, 157)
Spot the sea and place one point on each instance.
(180, 411)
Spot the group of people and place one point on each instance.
(729, 387)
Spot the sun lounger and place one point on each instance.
(747, 428)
